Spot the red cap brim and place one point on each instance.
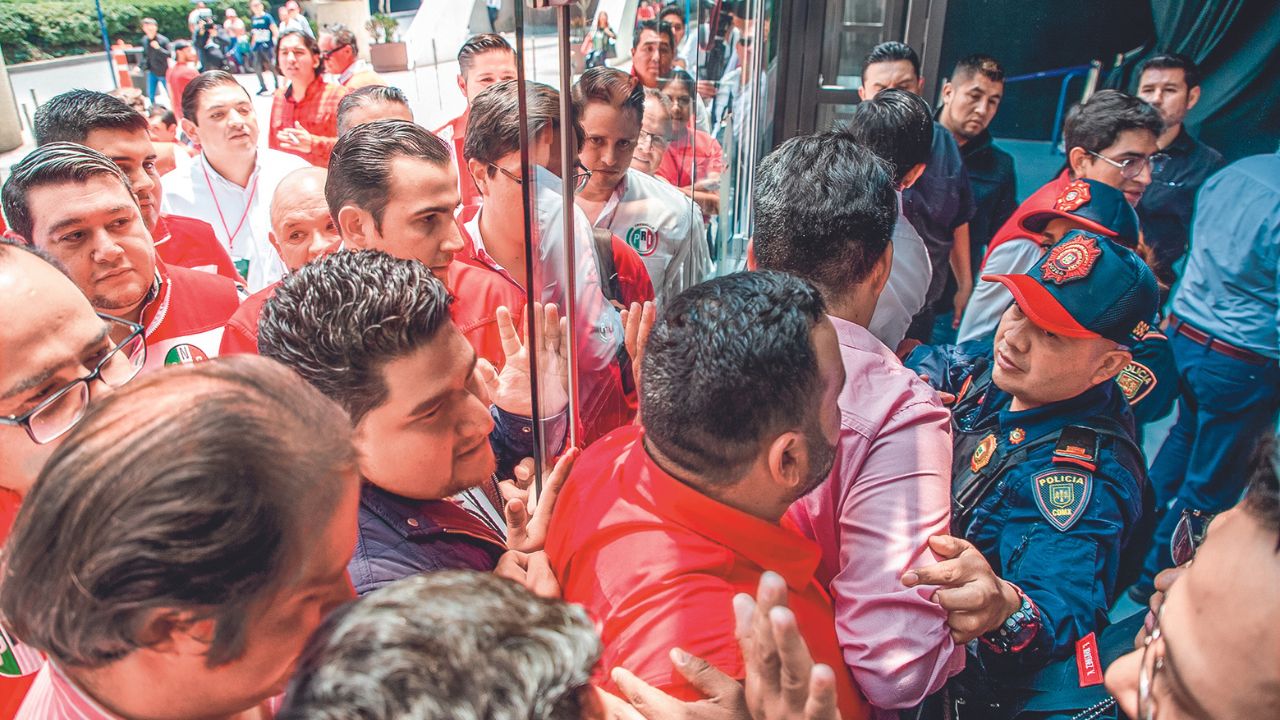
(1050, 213)
(1041, 306)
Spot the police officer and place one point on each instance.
(1048, 479)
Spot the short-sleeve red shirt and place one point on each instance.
(657, 563)
(317, 111)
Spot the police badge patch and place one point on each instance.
(1062, 495)
(982, 454)
(1136, 381)
(1070, 260)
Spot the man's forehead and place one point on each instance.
(494, 61)
(1176, 76)
(652, 37)
(1133, 141)
(52, 202)
(894, 70)
(223, 95)
(119, 141)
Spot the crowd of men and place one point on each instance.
(268, 421)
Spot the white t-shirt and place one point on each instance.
(664, 226)
(203, 194)
(909, 278)
(991, 299)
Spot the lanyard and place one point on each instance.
(231, 236)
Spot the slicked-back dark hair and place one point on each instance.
(71, 116)
(1171, 61)
(477, 45)
(52, 164)
(201, 83)
(610, 86)
(825, 208)
(729, 364)
(309, 42)
(342, 37)
(365, 96)
(656, 25)
(891, 51)
(897, 126)
(436, 637)
(360, 166)
(1096, 124)
(672, 9)
(493, 128)
(339, 320)
(199, 489)
(978, 64)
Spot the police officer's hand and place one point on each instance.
(511, 389)
(976, 600)
(525, 531)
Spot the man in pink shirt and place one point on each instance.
(889, 490)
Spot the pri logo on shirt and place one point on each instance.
(184, 355)
(643, 239)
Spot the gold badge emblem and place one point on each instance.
(982, 454)
(1017, 435)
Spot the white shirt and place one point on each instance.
(598, 324)
(664, 226)
(909, 278)
(990, 299)
(203, 194)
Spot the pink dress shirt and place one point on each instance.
(889, 492)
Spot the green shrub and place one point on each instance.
(56, 28)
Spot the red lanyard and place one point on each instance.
(231, 236)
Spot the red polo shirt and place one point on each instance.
(317, 111)
(190, 243)
(657, 563)
(454, 133)
(185, 317)
(478, 292)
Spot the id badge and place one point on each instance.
(242, 267)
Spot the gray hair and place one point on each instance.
(448, 645)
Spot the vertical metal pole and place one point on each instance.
(106, 43)
(529, 192)
(568, 169)
(435, 64)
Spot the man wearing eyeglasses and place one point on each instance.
(76, 204)
(1110, 139)
(342, 59)
(61, 357)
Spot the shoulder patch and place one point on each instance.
(1077, 446)
(1062, 495)
(1136, 381)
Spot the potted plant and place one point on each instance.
(388, 53)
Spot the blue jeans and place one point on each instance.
(1225, 407)
(152, 81)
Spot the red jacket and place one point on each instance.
(478, 292)
(190, 243)
(185, 317)
(1041, 199)
(241, 334)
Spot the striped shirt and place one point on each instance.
(54, 697)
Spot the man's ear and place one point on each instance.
(275, 241)
(947, 90)
(751, 255)
(462, 86)
(355, 225)
(191, 130)
(1193, 97)
(913, 175)
(787, 460)
(176, 632)
(1111, 365)
(920, 85)
(479, 175)
(862, 92)
(880, 271)
(1077, 159)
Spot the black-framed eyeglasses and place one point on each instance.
(646, 140)
(1131, 168)
(581, 177)
(58, 413)
(510, 175)
(1188, 534)
(331, 53)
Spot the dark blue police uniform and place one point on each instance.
(1049, 495)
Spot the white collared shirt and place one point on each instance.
(909, 278)
(664, 226)
(189, 194)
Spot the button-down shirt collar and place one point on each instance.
(54, 695)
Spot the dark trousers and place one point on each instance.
(493, 18)
(1226, 406)
(260, 58)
